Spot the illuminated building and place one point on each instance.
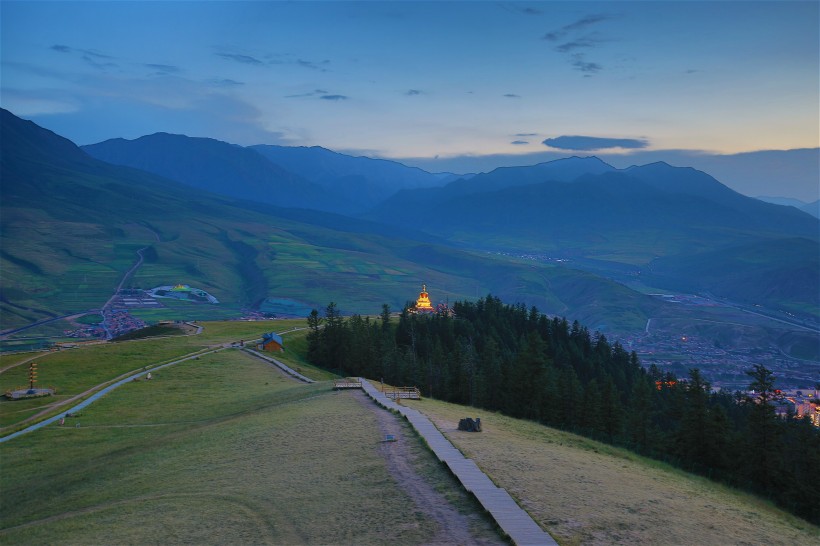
(423, 303)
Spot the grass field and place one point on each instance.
(225, 449)
(222, 450)
(584, 492)
(75, 371)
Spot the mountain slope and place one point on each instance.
(628, 217)
(71, 226)
(779, 274)
(367, 180)
(217, 167)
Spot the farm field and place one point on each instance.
(224, 449)
(585, 492)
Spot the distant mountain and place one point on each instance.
(72, 226)
(812, 208)
(561, 170)
(217, 167)
(785, 201)
(655, 209)
(628, 217)
(310, 178)
(366, 180)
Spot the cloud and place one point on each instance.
(164, 68)
(98, 60)
(413, 92)
(320, 66)
(525, 134)
(225, 82)
(580, 24)
(512, 96)
(580, 63)
(333, 97)
(526, 10)
(244, 59)
(580, 43)
(313, 93)
(519, 142)
(589, 143)
(575, 41)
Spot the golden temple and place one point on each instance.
(423, 303)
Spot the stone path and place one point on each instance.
(514, 521)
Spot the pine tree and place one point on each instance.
(763, 433)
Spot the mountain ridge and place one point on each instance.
(72, 226)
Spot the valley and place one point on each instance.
(77, 232)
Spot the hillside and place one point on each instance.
(137, 466)
(216, 167)
(364, 181)
(72, 226)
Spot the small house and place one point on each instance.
(272, 342)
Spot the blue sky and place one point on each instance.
(423, 80)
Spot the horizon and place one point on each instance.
(455, 86)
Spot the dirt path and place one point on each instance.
(454, 527)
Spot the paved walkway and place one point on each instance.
(283, 367)
(514, 521)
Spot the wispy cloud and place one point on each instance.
(314, 93)
(321, 66)
(333, 97)
(240, 58)
(164, 68)
(589, 143)
(525, 10)
(519, 142)
(525, 134)
(580, 24)
(225, 82)
(511, 96)
(575, 41)
(98, 60)
(580, 63)
(413, 92)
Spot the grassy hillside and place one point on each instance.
(584, 492)
(778, 274)
(225, 449)
(221, 450)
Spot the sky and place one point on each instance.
(457, 86)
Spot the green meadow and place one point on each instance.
(222, 449)
(74, 372)
(225, 448)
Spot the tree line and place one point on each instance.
(520, 362)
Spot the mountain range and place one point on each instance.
(72, 226)
(265, 224)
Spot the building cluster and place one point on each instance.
(116, 322)
(801, 403)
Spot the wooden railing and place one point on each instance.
(397, 393)
(347, 383)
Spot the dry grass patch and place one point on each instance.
(584, 492)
